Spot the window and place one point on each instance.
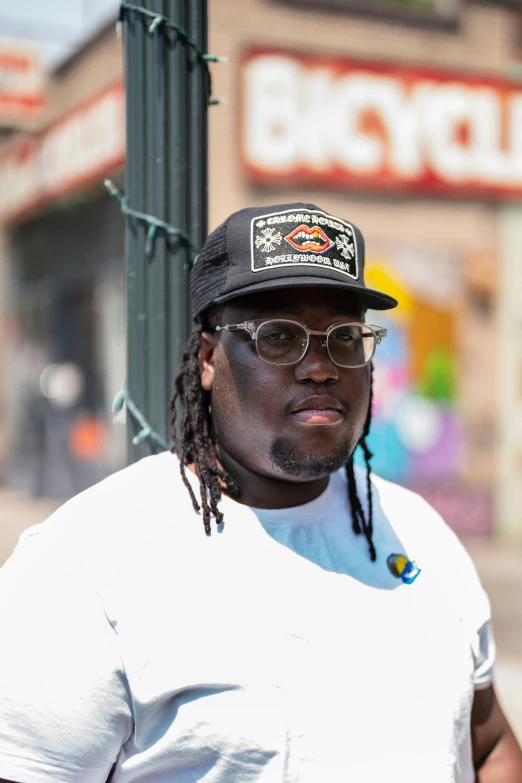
(433, 12)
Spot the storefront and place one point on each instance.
(63, 312)
(389, 126)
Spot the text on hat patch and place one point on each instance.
(321, 241)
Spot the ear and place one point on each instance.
(207, 350)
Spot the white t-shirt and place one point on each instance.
(273, 651)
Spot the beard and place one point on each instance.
(297, 464)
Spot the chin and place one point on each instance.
(298, 463)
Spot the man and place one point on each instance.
(329, 626)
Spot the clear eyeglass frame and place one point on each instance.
(253, 328)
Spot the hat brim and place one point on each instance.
(375, 300)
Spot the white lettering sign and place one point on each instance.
(368, 125)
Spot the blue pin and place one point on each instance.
(402, 568)
(410, 573)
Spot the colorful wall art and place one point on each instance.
(417, 428)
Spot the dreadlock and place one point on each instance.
(361, 522)
(196, 445)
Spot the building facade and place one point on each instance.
(62, 311)
(403, 117)
(404, 120)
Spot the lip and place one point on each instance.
(309, 238)
(314, 416)
(322, 410)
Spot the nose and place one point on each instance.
(316, 365)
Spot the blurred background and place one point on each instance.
(403, 116)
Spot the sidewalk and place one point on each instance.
(499, 565)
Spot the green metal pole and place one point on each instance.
(158, 257)
(197, 117)
(165, 176)
(178, 174)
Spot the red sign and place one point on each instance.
(78, 150)
(21, 85)
(348, 124)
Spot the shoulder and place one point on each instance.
(124, 511)
(126, 539)
(126, 491)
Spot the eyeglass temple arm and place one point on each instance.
(246, 326)
(380, 333)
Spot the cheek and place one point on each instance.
(358, 386)
(246, 393)
(224, 395)
(360, 396)
(354, 387)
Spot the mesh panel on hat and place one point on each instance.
(209, 275)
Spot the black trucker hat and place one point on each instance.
(281, 246)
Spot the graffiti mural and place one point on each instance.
(417, 430)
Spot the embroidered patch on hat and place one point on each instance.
(303, 238)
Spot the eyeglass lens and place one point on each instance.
(285, 342)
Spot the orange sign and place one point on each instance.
(312, 120)
(79, 149)
(21, 85)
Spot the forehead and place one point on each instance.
(301, 302)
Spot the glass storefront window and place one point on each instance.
(435, 12)
(65, 352)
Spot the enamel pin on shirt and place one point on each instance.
(402, 568)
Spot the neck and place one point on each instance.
(267, 492)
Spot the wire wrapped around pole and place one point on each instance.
(154, 223)
(146, 431)
(158, 21)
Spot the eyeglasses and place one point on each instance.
(279, 341)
